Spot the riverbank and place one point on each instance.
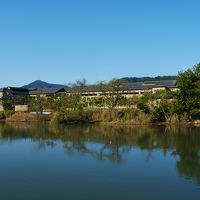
(114, 117)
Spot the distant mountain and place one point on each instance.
(42, 84)
(142, 79)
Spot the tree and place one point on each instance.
(113, 95)
(78, 86)
(7, 105)
(37, 104)
(189, 90)
(142, 103)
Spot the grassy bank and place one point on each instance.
(122, 116)
(114, 116)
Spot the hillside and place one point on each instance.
(42, 84)
(142, 79)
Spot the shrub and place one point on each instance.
(129, 116)
(8, 113)
(78, 116)
(157, 115)
(2, 115)
(7, 105)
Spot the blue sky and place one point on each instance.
(60, 41)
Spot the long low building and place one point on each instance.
(126, 89)
(17, 92)
(17, 95)
(1, 96)
(131, 89)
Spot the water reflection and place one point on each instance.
(113, 142)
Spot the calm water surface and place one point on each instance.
(99, 162)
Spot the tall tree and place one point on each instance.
(189, 90)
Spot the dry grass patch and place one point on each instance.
(22, 117)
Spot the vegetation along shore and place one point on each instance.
(112, 106)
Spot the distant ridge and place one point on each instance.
(142, 79)
(42, 84)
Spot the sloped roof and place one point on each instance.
(134, 86)
(165, 83)
(15, 91)
(38, 91)
(95, 88)
(150, 84)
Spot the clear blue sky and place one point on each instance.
(60, 41)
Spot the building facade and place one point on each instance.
(126, 89)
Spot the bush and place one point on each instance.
(195, 114)
(44, 118)
(72, 116)
(129, 116)
(8, 113)
(78, 116)
(7, 105)
(56, 118)
(157, 115)
(2, 115)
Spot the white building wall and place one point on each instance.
(1, 108)
(21, 108)
(1, 94)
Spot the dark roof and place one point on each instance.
(150, 84)
(95, 88)
(1, 89)
(38, 91)
(134, 86)
(15, 91)
(166, 83)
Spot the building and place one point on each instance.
(16, 92)
(17, 95)
(131, 89)
(126, 89)
(1, 96)
(45, 92)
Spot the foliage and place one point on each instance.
(72, 116)
(167, 94)
(37, 104)
(157, 78)
(7, 105)
(78, 86)
(189, 91)
(127, 116)
(143, 103)
(9, 113)
(113, 96)
(2, 115)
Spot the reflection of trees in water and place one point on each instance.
(106, 151)
(188, 150)
(42, 144)
(114, 141)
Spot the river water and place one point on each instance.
(83, 162)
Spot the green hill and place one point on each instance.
(142, 79)
(42, 84)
